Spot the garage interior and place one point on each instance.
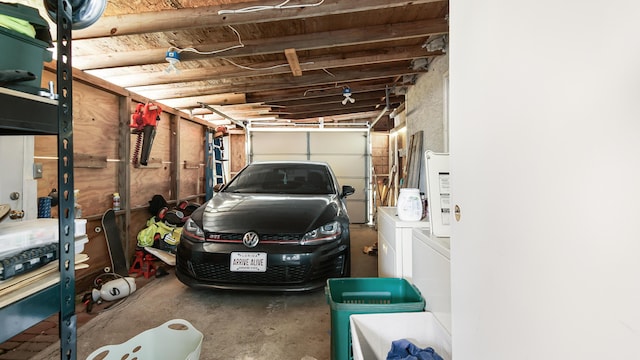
(365, 86)
(324, 81)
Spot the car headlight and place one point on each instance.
(325, 233)
(193, 231)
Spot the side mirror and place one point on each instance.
(347, 190)
(217, 187)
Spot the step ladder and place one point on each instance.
(214, 171)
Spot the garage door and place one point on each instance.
(345, 150)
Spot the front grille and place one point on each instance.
(237, 237)
(274, 274)
(328, 268)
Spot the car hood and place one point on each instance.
(268, 213)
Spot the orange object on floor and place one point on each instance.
(143, 264)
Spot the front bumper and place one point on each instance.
(207, 265)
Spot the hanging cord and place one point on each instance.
(280, 6)
(240, 45)
(324, 88)
(258, 69)
(190, 49)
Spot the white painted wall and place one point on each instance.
(16, 160)
(545, 129)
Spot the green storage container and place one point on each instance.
(348, 296)
(27, 53)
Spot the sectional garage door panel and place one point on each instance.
(346, 152)
(280, 145)
(344, 165)
(356, 203)
(277, 157)
(338, 143)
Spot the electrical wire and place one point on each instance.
(240, 45)
(280, 6)
(321, 89)
(190, 49)
(258, 69)
(328, 72)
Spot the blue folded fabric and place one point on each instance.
(403, 349)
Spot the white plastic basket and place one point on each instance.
(372, 334)
(176, 339)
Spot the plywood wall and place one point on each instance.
(192, 163)
(237, 157)
(95, 124)
(97, 136)
(155, 178)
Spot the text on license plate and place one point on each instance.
(249, 261)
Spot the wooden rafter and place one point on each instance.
(292, 59)
(189, 18)
(319, 40)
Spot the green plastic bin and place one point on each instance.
(26, 53)
(348, 296)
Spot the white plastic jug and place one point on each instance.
(409, 205)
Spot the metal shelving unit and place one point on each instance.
(26, 114)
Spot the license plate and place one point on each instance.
(248, 262)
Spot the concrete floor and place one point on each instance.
(235, 325)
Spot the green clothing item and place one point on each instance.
(158, 229)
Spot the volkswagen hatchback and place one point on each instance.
(276, 226)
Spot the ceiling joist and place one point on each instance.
(284, 66)
(292, 59)
(198, 17)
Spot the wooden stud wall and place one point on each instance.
(237, 159)
(192, 162)
(103, 141)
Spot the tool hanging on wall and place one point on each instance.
(144, 121)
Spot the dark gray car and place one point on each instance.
(277, 226)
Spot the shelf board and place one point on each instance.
(26, 114)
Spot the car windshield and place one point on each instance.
(283, 178)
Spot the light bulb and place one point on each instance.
(346, 92)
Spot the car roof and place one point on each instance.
(308, 162)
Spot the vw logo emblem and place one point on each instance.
(250, 239)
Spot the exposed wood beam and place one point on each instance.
(236, 109)
(231, 71)
(292, 59)
(214, 99)
(327, 99)
(276, 96)
(320, 40)
(308, 81)
(345, 110)
(189, 18)
(351, 117)
(335, 105)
